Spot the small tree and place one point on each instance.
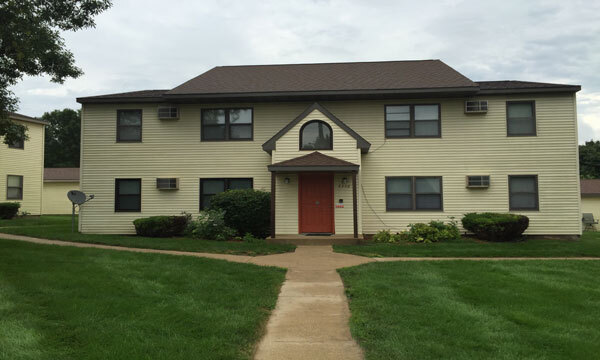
(30, 44)
(589, 160)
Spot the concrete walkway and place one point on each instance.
(310, 320)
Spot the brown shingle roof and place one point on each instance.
(16, 116)
(418, 74)
(314, 161)
(331, 81)
(590, 187)
(138, 96)
(513, 85)
(61, 174)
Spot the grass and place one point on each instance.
(72, 303)
(476, 310)
(587, 245)
(58, 227)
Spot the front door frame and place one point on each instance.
(330, 175)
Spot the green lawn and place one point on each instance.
(587, 245)
(476, 310)
(72, 303)
(58, 227)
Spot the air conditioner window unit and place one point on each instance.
(478, 181)
(476, 106)
(167, 183)
(168, 113)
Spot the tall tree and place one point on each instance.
(589, 160)
(30, 44)
(63, 137)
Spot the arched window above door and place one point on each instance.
(316, 135)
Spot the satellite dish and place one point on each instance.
(77, 197)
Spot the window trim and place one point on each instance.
(226, 186)
(414, 193)
(22, 187)
(119, 111)
(227, 124)
(139, 209)
(537, 194)
(412, 122)
(301, 134)
(533, 114)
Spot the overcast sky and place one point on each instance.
(158, 44)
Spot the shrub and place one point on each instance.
(210, 225)
(161, 226)
(9, 210)
(386, 236)
(496, 226)
(421, 233)
(249, 238)
(246, 211)
(435, 231)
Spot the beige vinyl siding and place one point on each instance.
(473, 145)
(591, 204)
(27, 162)
(55, 199)
(469, 145)
(286, 203)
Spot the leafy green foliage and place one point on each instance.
(246, 211)
(435, 231)
(63, 137)
(589, 160)
(9, 210)
(31, 44)
(161, 226)
(249, 238)
(210, 225)
(496, 226)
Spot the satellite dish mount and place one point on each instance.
(77, 198)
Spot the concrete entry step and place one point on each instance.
(315, 239)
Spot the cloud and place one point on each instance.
(158, 46)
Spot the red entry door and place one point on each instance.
(316, 203)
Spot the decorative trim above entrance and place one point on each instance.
(361, 143)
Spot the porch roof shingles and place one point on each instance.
(314, 161)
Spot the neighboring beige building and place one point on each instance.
(590, 197)
(346, 148)
(57, 182)
(21, 167)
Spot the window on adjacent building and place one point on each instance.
(128, 195)
(14, 187)
(413, 193)
(129, 125)
(412, 121)
(520, 118)
(316, 135)
(19, 144)
(226, 124)
(523, 192)
(211, 187)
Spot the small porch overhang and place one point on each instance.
(316, 162)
